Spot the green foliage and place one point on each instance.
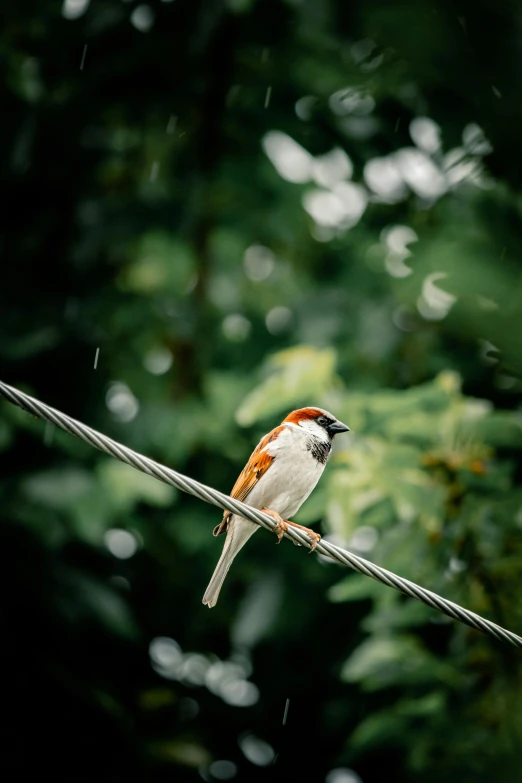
(294, 376)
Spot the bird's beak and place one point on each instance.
(336, 427)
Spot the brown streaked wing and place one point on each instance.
(256, 466)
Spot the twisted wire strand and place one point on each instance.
(210, 495)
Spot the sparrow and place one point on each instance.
(282, 471)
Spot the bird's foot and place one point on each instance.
(282, 526)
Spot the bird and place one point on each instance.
(281, 473)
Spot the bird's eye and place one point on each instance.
(322, 421)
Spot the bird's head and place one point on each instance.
(317, 422)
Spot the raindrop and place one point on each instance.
(154, 171)
(82, 63)
(49, 431)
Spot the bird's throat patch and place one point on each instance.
(319, 449)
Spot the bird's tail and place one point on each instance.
(238, 532)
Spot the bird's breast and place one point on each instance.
(291, 477)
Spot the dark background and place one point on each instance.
(239, 208)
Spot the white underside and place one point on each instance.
(286, 484)
(291, 477)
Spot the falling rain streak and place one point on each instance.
(49, 433)
(154, 171)
(83, 57)
(96, 358)
(285, 715)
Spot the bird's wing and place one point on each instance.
(259, 462)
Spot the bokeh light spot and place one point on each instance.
(158, 360)
(291, 161)
(223, 770)
(278, 319)
(166, 656)
(236, 327)
(142, 18)
(425, 133)
(121, 402)
(256, 750)
(120, 543)
(342, 775)
(259, 262)
(73, 9)
(331, 168)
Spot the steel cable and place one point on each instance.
(210, 495)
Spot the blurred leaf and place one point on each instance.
(389, 727)
(6, 435)
(92, 598)
(385, 661)
(297, 376)
(184, 751)
(355, 587)
(161, 264)
(155, 698)
(127, 486)
(76, 494)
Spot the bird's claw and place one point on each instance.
(280, 529)
(314, 537)
(282, 525)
